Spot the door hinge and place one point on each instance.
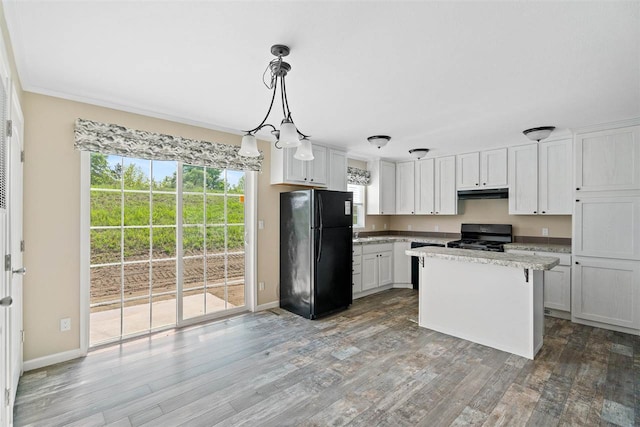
(7, 262)
(9, 128)
(22, 156)
(21, 245)
(22, 335)
(7, 396)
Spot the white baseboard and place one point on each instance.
(402, 286)
(52, 359)
(267, 306)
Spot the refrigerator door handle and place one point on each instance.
(320, 228)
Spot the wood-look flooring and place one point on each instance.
(368, 366)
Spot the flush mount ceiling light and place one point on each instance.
(418, 153)
(538, 134)
(288, 135)
(379, 140)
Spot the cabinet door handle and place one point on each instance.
(578, 189)
(311, 180)
(305, 179)
(412, 212)
(577, 200)
(544, 211)
(477, 183)
(484, 183)
(577, 263)
(535, 211)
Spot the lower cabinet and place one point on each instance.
(607, 292)
(357, 269)
(401, 264)
(557, 284)
(377, 266)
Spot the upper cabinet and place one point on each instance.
(445, 195)
(381, 192)
(540, 178)
(285, 169)
(425, 187)
(480, 170)
(608, 160)
(405, 188)
(337, 170)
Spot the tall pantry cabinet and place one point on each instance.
(606, 237)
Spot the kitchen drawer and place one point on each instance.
(376, 249)
(357, 250)
(356, 269)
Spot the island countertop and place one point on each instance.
(532, 262)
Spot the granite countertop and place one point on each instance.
(541, 247)
(533, 262)
(391, 239)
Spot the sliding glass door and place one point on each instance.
(166, 242)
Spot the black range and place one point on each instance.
(483, 237)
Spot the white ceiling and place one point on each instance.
(450, 76)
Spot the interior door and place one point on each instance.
(15, 245)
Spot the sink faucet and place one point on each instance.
(355, 234)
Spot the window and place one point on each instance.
(156, 245)
(358, 204)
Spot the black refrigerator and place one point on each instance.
(316, 251)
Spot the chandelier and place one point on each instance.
(288, 135)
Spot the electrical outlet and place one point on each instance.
(65, 324)
(436, 228)
(409, 227)
(261, 286)
(373, 226)
(545, 231)
(260, 224)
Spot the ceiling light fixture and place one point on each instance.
(418, 153)
(538, 134)
(379, 140)
(288, 135)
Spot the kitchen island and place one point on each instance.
(491, 298)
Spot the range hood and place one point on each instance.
(496, 193)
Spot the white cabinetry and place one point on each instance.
(357, 269)
(557, 284)
(377, 266)
(405, 188)
(337, 170)
(446, 196)
(555, 177)
(285, 169)
(607, 227)
(401, 264)
(485, 169)
(608, 160)
(381, 192)
(607, 291)
(606, 234)
(425, 187)
(540, 178)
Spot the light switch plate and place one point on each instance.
(545, 231)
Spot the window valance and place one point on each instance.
(113, 139)
(358, 176)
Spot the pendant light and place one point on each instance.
(288, 135)
(304, 151)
